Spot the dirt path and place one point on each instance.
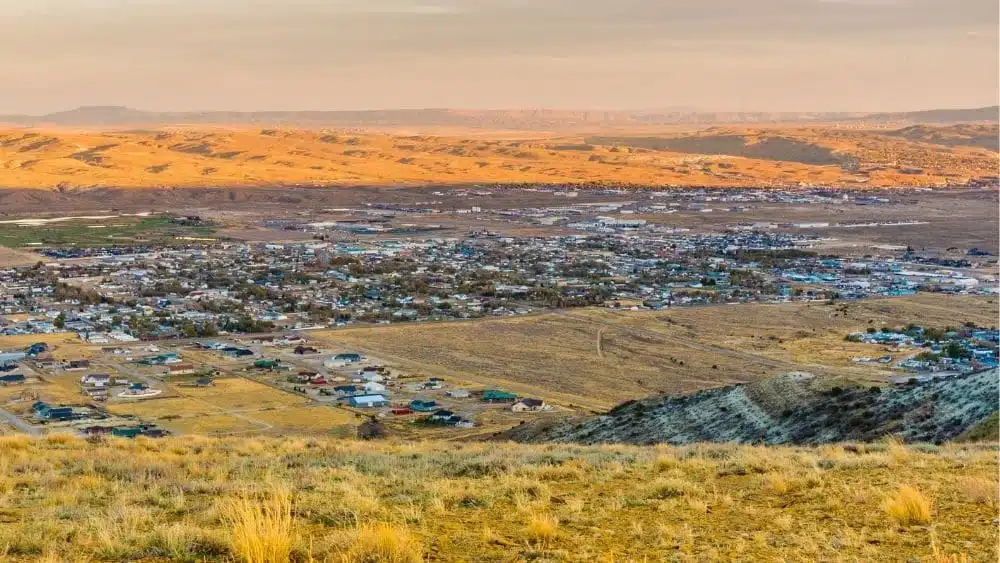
(21, 425)
(600, 337)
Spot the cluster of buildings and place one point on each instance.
(238, 288)
(934, 352)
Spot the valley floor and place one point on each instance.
(63, 498)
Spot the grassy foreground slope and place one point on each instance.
(201, 499)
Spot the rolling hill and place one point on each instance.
(793, 408)
(202, 157)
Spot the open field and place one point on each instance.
(89, 231)
(190, 499)
(188, 157)
(11, 257)
(596, 358)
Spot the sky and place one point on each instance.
(713, 55)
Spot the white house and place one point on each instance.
(96, 380)
(530, 405)
(373, 387)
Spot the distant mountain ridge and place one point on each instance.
(522, 119)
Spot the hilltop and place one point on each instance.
(718, 156)
(203, 499)
(792, 408)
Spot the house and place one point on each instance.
(126, 431)
(419, 405)
(498, 396)
(11, 379)
(160, 359)
(458, 393)
(342, 360)
(441, 415)
(402, 411)
(371, 373)
(180, 369)
(46, 411)
(77, 365)
(529, 405)
(373, 387)
(368, 401)
(234, 352)
(11, 357)
(302, 350)
(345, 390)
(96, 380)
(97, 393)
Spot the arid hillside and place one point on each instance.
(344, 501)
(597, 358)
(185, 157)
(791, 408)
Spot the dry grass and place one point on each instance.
(979, 490)
(908, 506)
(342, 501)
(261, 526)
(555, 355)
(383, 543)
(541, 528)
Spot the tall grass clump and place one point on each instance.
(383, 543)
(542, 528)
(908, 506)
(260, 526)
(980, 491)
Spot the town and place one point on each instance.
(174, 333)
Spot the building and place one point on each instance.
(368, 401)
(11, 379)
(77, 365)
(498, 396)
(342, 360)
(96, 380)
(419, 405)
(180, 369)
(46, 411)
(529, 405)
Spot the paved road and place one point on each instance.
(20, 424)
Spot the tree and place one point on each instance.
(956, 351)
(60, 321)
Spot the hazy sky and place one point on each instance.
(861, 55)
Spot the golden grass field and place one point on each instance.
(271, 500)
(179, 156)
(596, 358)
